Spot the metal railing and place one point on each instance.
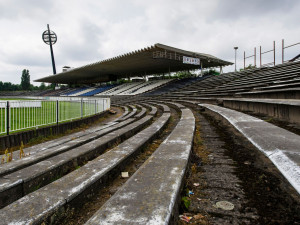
(285, 47)
(273, 63)
(254, 57)
(262, 53)
(2, 118)
(16, 115)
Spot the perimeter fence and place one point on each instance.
(17, 115)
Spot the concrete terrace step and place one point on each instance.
(130, 114)
(59, 141)
(221, 91)
(283, 109)
(165, 107)
(292, 93)
(259, 82)
(178, 105)
(278, 86)
(261, 79)
(17, 184)
(279, 145)
(59, 146)
(273, 71)
(142, 112)
(66, 138)
(43, 203)
(153, 111)
(291, 102)
(126, 111)
(287, 81)
(151, 194)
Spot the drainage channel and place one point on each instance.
(81, 214)
(230, 182)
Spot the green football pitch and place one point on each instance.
(21, 118)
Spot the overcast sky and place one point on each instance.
(89, 31)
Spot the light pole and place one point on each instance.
(235, 48)
(50, 38)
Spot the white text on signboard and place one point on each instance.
(190, 60)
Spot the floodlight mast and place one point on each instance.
(50, 38)
(51, 49)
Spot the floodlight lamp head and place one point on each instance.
(235, 48)
(49, 36)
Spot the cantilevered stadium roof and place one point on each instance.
(156, 59)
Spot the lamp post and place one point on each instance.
(235, 48)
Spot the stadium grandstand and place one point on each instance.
(154, 60)
(205, 149)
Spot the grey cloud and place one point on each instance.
(28, 59)
(16, 9)
(85, 45)
(254, 9)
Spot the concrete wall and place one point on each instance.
(276, 95)
(288, 113)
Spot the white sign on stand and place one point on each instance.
(21, 104)
(191, 60)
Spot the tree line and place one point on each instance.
(25, 84)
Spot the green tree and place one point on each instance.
(211, 72)
(25, 80)
(52, 86)
(249, 67)
(184, 74)
(42, 86)
(7, 86)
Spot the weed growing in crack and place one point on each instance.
(186, 202)
(22, 154)
(7, 157)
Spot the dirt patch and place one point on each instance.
(212, 181)
(225, 168)
(265, 188)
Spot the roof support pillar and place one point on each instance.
(201, 68)
(221, 69)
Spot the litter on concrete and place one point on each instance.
(185, 218)
(191, 192)
(124, 174)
